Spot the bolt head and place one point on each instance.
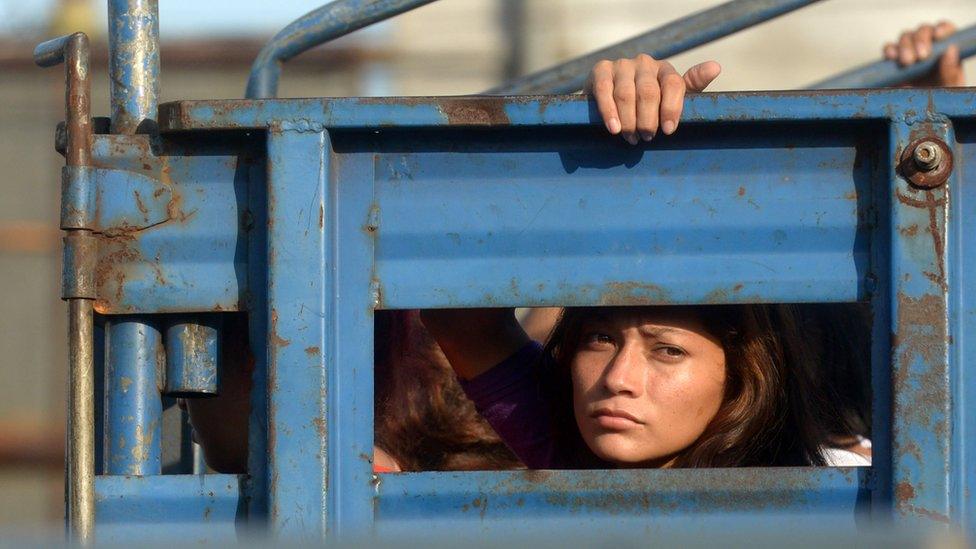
(927, 156)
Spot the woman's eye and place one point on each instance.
(671, 352)
(598, 339)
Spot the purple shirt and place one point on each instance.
(513, 402)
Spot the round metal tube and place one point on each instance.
(328, 22)
(192, 354)
(81, 422)
(663, 42)
(133, 407)
(133, 42)
(890, 73)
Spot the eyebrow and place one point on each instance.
(657, 332)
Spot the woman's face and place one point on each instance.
(646, 383)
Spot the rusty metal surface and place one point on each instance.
(920, 347)
(171, 196)
(134, 64)
(78, 286)
(192, 356)
(923, 175)
(378, 113)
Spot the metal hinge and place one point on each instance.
(111, 202)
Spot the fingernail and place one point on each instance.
(631, 138)
(614, 126)
(668, 127)
(923, 53)
(647, 136)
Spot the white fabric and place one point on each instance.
(836, 457)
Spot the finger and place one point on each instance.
(648, 99)
(943, 30)
(625, 97)
(672, 97)
(602, 89)
(890, 51)
(950, 69)
(906, 49)
(923, 41)
(698, 78)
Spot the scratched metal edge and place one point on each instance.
(372, 112)
(638, 492)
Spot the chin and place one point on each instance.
(620, 452)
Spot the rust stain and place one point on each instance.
(742, 191)
(321, 216)
(633, 293)
(474, 111)
(139, 204)
(312, 350)
(909, 231)
(320, 427)
(276, 340)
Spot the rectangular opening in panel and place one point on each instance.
(747, 385)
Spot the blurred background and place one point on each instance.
(449, 47)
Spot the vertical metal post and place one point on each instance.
(922, 396)
(133, 407)
(78, 288)
(133, 42)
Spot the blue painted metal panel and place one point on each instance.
(190, 509)
(711, 216)
(364, 215)
(195, 260)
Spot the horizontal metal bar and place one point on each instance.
(190, 509)
(663, 42)
(412, 112)
(890, 73)
(326, 23)
(626, 501)
(51, 52)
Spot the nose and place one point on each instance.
(624, 374)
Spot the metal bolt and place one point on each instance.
(927, 156)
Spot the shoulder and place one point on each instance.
(838, 457)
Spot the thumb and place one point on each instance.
(701, 75)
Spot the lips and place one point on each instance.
(615, 419)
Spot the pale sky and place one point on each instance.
(178, 17)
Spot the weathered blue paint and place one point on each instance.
(361, 204)
(922, 405)
(111, 201)
(194, 259)
(335, 19)
(189, 509)
(299, 464)
(386, 114)
(962, 332)
(666, 41)
(134, 362)
(890, 73)
(638, 503)
(192, 356)
(133, 43)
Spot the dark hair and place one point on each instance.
(776, 408)
(422, 417)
